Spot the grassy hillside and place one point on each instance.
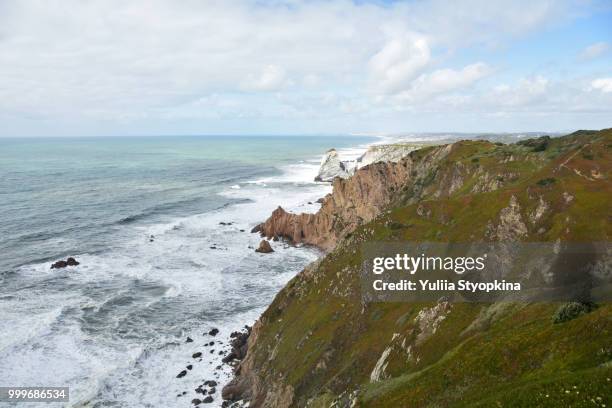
(318, 344)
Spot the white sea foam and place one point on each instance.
(121, 336)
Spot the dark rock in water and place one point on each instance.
(212, 390)
(218, 367)
(199, 390)
(197, 355)
(210, 383)
(256, 228)
(275, 238)
(264, 247)
(213, 247)
(212, 343)
(189, 340)
(182, 374)
(72, 262)
(208, 400)
(310, 202)
(62, 264)
(189, 367)
(241, 230)
(212, 351)
(213, 332)
(196, 401)
(59, 264)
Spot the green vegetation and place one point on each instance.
(571, 310)
(322, 340)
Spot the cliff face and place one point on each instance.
(354, 201)
(333, 166)
(319, 345)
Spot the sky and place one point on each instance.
(191, 67)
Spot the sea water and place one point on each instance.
(161, 228)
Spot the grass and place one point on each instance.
(320, 338)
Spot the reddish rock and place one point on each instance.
(264, 247)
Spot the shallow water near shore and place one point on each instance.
(161, 228)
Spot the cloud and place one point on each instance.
(594, 51)
(271, 78)
(398, 62)
(526, 92)
(602, 84)
(445, 80)
(148, 63)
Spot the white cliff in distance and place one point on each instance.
(332, 166)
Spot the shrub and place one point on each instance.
(538, 144)
(546, 182)
(571, 310)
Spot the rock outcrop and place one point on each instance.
(63, 264)
(332, 167)
(354, 201)
(386, 153)
(264, 247)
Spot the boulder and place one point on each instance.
(213, 332)
(62, 264)
(72, 262)
(264, 247)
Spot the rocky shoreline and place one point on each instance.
(353, 201)
(468, 190)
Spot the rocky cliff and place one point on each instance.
(332, 166)
(319, 345)
(354, 201)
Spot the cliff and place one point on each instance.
(319, 345)
(332, 166)
(354, 201)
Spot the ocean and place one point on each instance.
(161, 228)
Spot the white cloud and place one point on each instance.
(398, 63)
(602, 84)
(445, 80)
(526, 92)
(148, 61)
(594, 50)
(271, 78)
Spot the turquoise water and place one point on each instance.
(161, 228)
(78, 191)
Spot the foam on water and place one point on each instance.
(114, 327)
